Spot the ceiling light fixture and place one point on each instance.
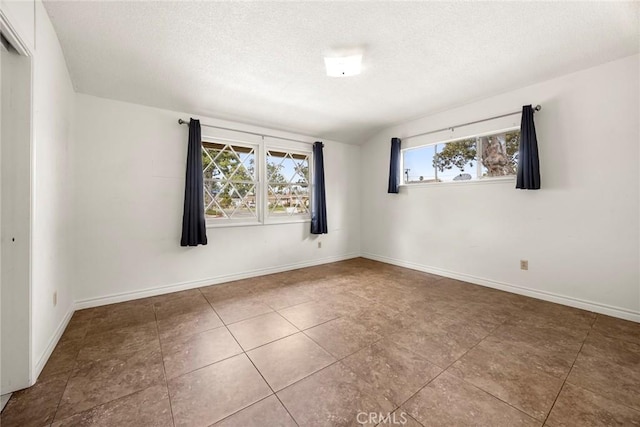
(343, 66)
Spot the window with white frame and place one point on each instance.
(288, 181)
(255, 182)
(230, 180)
(473, 158)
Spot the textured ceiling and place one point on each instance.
(262, 62)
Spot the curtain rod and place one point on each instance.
(536, 108)
(184, 122)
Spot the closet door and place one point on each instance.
(15, 220)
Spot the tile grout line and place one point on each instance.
(164, 369)
(75, 363)
(112, 400)
(62, 394)
(598, 392)
(253, 293)
(231, 415)
(254, 367)
(491, 394)
(571, 369)
(466, 382)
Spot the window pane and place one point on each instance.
(288, 200)
(500, 153)
(275, 165)
(456, 160)
(418, 165)
(288, 178)
(229, 178)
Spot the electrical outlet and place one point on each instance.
(319, 245)
(524, 264)
(55, 299)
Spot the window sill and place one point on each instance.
(496, 180)
(221, 224)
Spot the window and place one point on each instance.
(255, 183)
(485, 156)
(230, 181)
(288, 179)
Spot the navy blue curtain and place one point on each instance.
(528, 160)
(318, 198)
(394, 166)
(193, 226)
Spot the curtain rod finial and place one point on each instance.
(182, 122)
(538, 107)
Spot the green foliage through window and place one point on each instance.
(497, 155)
(229, 180)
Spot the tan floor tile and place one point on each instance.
(555, 319)
(557, 313)
(207, 395)
(555, 333)
(448, 401)
(624, 353)
(332, 397)
(36, 405)
(229, 292)
(380, 319)
(510, 348)
(550, 359)
(399, 417)
(342, 337)
(618, 328)
(240, 309)
(609, 367)
(522, 386)
(188, 324)
(161, 299)
(289, 359)
(189, 303)
(63, 357)
(434, 344)
(267, 412)
(187, 353)
(393, 371)
(95, 383)
(149, 407)
(119, 342)
(579, 407)
(309, 314)
(261, 330)
(283, 297)
(78, 325)
(121, 315)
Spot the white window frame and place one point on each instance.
(478, 179)
(273, 144)
(261, 146)
(256, 148)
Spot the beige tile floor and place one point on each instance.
(354, 342)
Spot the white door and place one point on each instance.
(15, 220)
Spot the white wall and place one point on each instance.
(129, 188)
(580, 232)
(53, 107)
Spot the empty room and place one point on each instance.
(320, 213)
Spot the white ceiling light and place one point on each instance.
(343, 66)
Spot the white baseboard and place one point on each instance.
(621, 313)
(52, 344)
(127, 296)
(182, 286)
